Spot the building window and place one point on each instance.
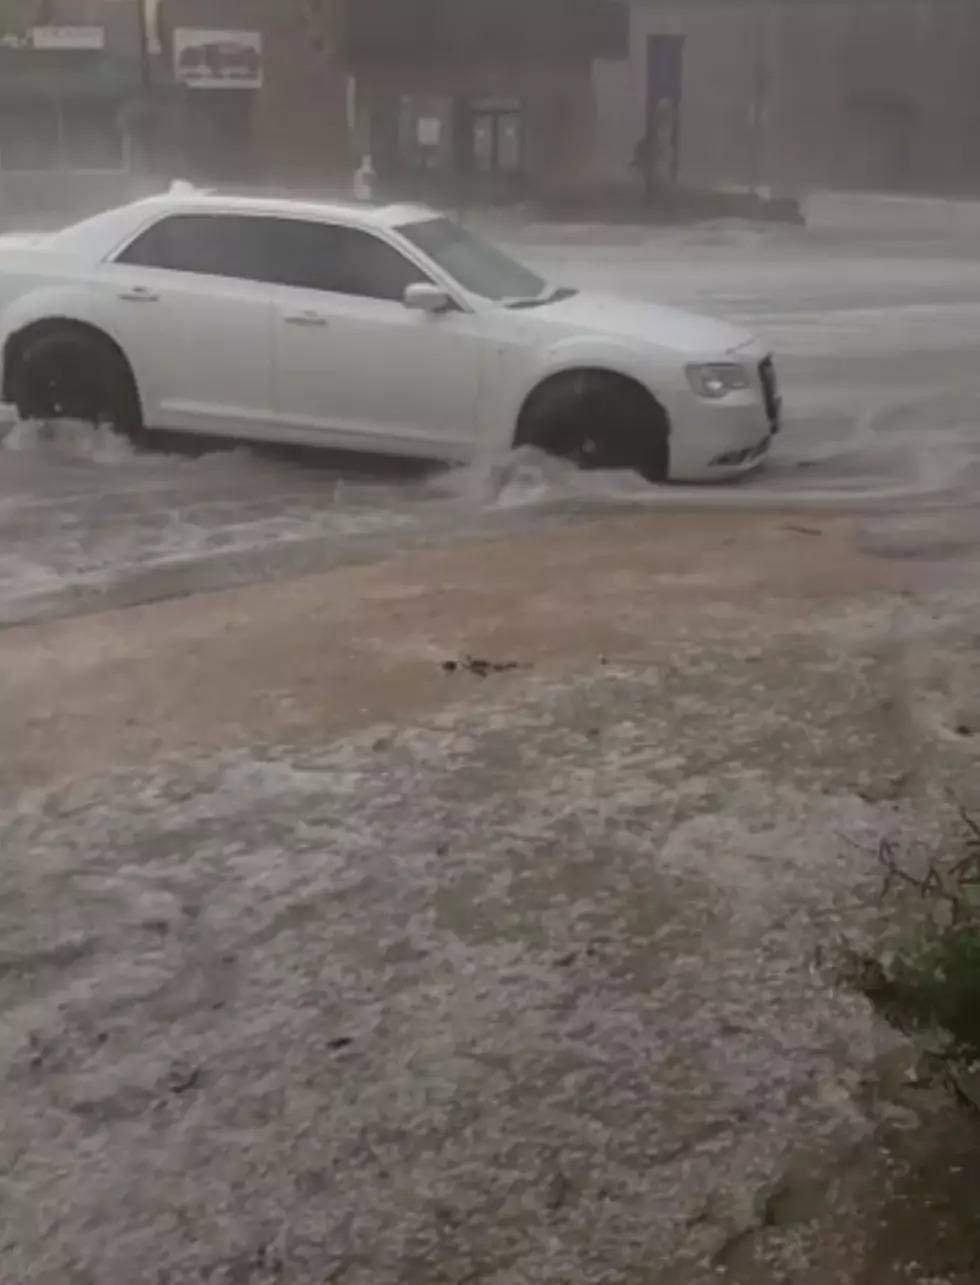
(66, 136)
(424, 134)
(29, 135)
(219, 134)
(881, 131)
(92, 138)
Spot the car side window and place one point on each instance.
(326, 256)
(217, 245)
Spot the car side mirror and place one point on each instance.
(423, 296)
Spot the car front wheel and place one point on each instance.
(598, 420)
(64, 371)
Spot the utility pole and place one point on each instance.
(146, 109)
(146, 68)
(760, 111)
(759, 119)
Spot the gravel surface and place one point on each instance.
(522, 981)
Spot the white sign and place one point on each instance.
(429, 131)
(92, 38)
(218, 59)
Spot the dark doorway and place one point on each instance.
(660, 156)
(880, 139)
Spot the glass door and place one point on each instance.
(497, 138)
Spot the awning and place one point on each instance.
(427, 31)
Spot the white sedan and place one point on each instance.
(389, 330)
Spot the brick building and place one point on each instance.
(70, 100)
(451, 97)
(487, 99)
(280, 117)
(480, 98)
(490, 99)
(67, 78)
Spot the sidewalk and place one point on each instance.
(872, 213)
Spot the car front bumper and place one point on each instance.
(720, 439)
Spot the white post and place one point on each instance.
(364, 180)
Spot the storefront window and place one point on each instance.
(92, 139)
(424, 134)
(483, 144)
(29, 136)
(61, 136)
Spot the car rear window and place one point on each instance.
(217, 245)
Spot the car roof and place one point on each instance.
(366, 214)
(99, 235)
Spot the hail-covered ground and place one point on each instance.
(451, 892)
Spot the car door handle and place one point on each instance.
(139, 294)
(306, 318)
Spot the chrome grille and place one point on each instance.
(770, 393)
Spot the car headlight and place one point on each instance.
(717, 379)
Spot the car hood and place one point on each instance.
(685, 333)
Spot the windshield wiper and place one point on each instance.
(538, 300)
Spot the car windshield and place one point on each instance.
(477, 265)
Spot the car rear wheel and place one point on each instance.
(69, 372)
(598, 420)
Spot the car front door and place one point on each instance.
(189, 302)
(353, 365)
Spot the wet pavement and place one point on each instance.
(875, 348)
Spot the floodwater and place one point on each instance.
(876, 352)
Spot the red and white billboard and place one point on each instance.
(218, 59)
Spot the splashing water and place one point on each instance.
(70, 438)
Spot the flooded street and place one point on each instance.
(875, 349)
(874, 344)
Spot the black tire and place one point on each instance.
(599, 421)
(64, 371)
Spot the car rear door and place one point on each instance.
(189, 302)
(353, 365)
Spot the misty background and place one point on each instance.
(614, 107)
